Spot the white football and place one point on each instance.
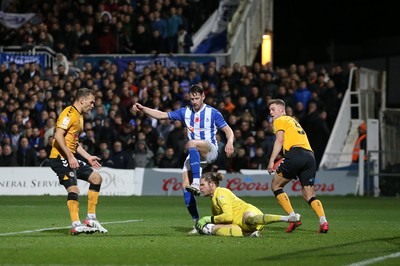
(207, 229)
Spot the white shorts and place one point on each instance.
(211, 157)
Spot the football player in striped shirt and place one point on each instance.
(202, 123)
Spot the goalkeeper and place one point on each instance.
(231, 215)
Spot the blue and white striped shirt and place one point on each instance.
(202, 125)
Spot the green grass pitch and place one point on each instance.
(152, 231)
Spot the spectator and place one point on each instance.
(169, 160)
(177, 139)
(302, 94)
(106, 160)
(184, 40)
(61, 65)
(26, 156)
(71, 39)
(8, 157)
(164, 128)
(361, 143)
(15, 135)
(156, 43)
(239, 161)
(317, 131)
(151, 136)
(107, 43)
(173, 23)
(124, 43)
(88, 42)
(259, 160)
(121, 159)
(43, 158)
(141, 40)
(35, 140)
(143, 155)
(250, 146)
(329, 98)
(48, 130)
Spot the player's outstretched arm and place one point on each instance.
(137, 107)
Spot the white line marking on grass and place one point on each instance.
(65, 227)
(370, 261)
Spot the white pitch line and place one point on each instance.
(370, 261)
(65, 227)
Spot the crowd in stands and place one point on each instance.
(30, 103)
(108, 26)
(31, 98)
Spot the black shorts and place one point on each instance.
(298, 163)
(67, 176)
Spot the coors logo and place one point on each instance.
(239, 184)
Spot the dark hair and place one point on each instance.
(213, 177)
(196, 89)
(276, 101)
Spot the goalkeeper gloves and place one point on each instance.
(202, 222)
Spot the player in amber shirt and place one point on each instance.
(68, 168)
(231, 215)
(298, 162)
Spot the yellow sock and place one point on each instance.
(284, 201)
(93, 197)
(73, 207)
(263, 219)
(229, 231)
(316, 205)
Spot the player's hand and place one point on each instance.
(94, 162)
(73, 163)
(229, 149)
(202, 222)
(270, 168)
(137, 107)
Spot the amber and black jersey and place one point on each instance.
(72, 122)
(294, 133)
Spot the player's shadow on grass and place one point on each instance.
(266, 231)
(182, 229)
(311, 252)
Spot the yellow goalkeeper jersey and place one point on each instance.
(227, 208)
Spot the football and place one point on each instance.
(207, 229)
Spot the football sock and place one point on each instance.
(76, 223)
(263, 219)
(73, 206)
(229, 231)
(316, 205)
(284, 201)
(194, 158)
(191, 204)
(93, 198)
(91, 215)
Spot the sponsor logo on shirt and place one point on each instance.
(65, 122)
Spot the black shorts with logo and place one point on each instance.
(298, 163)
(67, 176)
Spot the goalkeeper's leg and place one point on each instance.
(227, 230)
(271, 218)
